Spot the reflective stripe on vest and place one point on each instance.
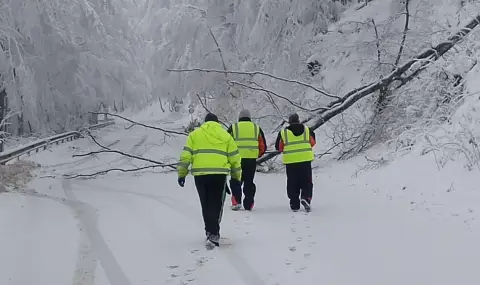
(211, 170)
(245, 135)
(296, 148)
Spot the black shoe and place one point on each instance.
(295, 206)
(306, 205)
(295, 209)
(248, 207)
(215, 239)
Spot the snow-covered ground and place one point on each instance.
(404, 223)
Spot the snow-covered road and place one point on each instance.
(142, 229)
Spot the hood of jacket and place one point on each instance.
(214, 133)
(297, 129)
(244, 119)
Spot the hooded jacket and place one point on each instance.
(210, 150)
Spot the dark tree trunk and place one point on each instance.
(3, 112)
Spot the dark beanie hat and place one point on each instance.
(294, 119)
(211, 118)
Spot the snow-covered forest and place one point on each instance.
(390, 87)
(62, 60)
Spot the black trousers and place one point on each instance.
(211, 191)
(299, 183)
(249, 167)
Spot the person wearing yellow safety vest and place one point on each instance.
(212, 154)
(251, 143)
(296, 143)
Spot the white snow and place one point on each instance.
(398, 224)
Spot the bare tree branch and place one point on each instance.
(253, 73)
(204, 105)
(405, 31)
(104, 172)
(219, 51)
(109, 150)
(377, 42)
(277, 95)
(140, 124)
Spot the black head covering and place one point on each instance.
(294, 119)
(211, 118)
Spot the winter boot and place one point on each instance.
(295, 205)
(306, 205)
(212, 241)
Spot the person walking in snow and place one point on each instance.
(251, 143)
(212, 154)
(296, 142)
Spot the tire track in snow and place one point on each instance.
(185, 273)
(86, 261)
(87, 216)
(245, 271)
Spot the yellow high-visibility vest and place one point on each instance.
(296, 148)
(210, 150)
(245, 135)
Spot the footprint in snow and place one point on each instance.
(299, 270)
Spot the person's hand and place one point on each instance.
(181, 181)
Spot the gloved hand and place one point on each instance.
(181, 181)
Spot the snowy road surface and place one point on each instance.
(142, 229)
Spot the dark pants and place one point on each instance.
(249, 166)
(211, 190)
(299, 183)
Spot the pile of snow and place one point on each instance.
(17, 174)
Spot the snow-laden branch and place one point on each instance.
(106, 149)
(104, 172)
(426, 58)
(253, 73)
(140, 124)
(276, 95)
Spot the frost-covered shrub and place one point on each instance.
(192, 125)
(17, 174)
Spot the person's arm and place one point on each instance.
(185, 158)
(279, 142)
(235, 160)
(313, 140)
(262, 143)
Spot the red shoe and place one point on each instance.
(235, 205)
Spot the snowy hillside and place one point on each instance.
(390, 88)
